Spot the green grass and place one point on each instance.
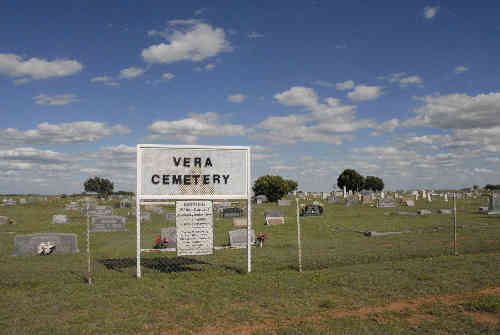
(343, 270)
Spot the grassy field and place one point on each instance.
(352, 284)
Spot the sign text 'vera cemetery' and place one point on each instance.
(207, 172)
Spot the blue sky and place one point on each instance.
(407, 91)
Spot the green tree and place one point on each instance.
(273, 187)
(373, 183)
(351, 179)
(290, 186)
(102, 186)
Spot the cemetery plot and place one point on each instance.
(107, 224)
(238, 238)
(60, 219)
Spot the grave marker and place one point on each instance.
(27, 245)
(59, 219)
(101, 224)
(238, 238)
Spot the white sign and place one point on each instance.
(193, 172)
(194, 221)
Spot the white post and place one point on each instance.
(454, 223)
(249, 213)
(138, 213)
(298, 236)
(88, 247)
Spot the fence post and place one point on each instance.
(298, 235)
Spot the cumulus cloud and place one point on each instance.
(346, 85)
(430, 12)
(458, 111)
(364, 92)
(190, 40)
(461, 69)
(35, 68)
(62, 133)
(386, 127)
(237, 98)
(196, 125)
(131, 72)
(56, 100)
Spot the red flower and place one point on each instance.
(158, 240)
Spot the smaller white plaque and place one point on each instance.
(194, 221)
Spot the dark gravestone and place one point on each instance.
(170, 216)
(238, 238)
(424, 212)
(59, 219)
(171, 234)
(494, 204)
(27, 245)
(312, 210)
(232, 212)
(107, 224)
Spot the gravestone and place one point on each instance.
(435, 197)
(424, 212)
(238, 238)
(240, 222)
(274, 220)
(483, 209)
(273, 213)
(170, 216)
(350, 201)
(284, 202)
(170, 233)
(98, 211)
(386, 203)
(107, 224)
(22, 201)
(4, 220)
(312, 210)
(73, 206)
(331, 200)
(59, 219)
(444, 211)
(494, 204)
(232, 212)
(27, 245)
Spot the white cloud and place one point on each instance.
(386, 127)
(346, 85)
(168, 76)
(254, 35)
(364, 92)
(35, 68)
(56, 100)
(237, 98)
(458, 111)
(430, 12)
(131, 72)
(62, 133)
(106, 80)
(192, 40)
(403, 79)
(298, 96)
(190, 129)
(461, 69)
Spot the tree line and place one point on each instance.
(355, 182)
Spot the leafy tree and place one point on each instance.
(351, 179)
(273, 187)
(102, 186)
(491, 187)
(290, 185)
(373, 183)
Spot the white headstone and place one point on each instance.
(345, 192)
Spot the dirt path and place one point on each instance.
(363, 313)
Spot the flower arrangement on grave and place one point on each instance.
(160, 243)
(261, 238)
(11, 221)
(46, 248)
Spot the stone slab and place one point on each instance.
(171, 234)
(27, 245)
(59, 219)
(273, 213)
(232, 212)
(238, 238)
(100, 224)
